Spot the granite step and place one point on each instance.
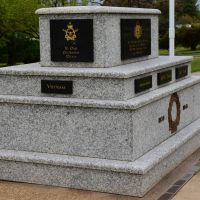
(117, 130)
(121, 177)
(116, 83)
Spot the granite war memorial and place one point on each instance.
(102, 111)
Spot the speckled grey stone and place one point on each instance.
(131, 104)
(107, 46)
(123, 71)
(119, 130)
(71, 131)
(100, 138)
(96, 10)
(127, 178)
(155, 132)
(105, 84)
(83, 88)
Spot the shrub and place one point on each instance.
(189, 37)
(164, 41)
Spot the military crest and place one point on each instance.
(70, 32)
(138, 30)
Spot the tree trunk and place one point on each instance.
(11, 47)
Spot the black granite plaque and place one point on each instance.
(135, 38)
(56, 87)
(143, 84)
(181, 72)
(164, 77)
(72, 40)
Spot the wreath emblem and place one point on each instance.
(173, 124)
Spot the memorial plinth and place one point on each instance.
(100, 36)
(89, 125)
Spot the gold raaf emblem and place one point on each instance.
(70, 32)
(138, 30)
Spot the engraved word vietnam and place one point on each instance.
(58, 87)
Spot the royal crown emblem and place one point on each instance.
(138, 30)
(70, 32)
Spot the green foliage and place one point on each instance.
(186, 13)
(164, 17)
(56, 3)
(183, 8)
(188, 7)
(189, 37)
(130, 3)
(17, 17)
(196, 64)
(164, 41)
(187, 19)
(53, 3)
(28, 49)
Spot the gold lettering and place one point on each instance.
(144, 84)
(71, 52)
(58, 87)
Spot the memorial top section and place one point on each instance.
(97, 37)
(95, 10)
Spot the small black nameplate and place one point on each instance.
(185, 107)
(135, 38)
(164, 77)
(161, 119)
(56, 87)
(72, 40)
(181, 72)
(143, 84)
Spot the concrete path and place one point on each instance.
(191, 191)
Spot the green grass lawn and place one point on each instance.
(196, 64)
(181, 51)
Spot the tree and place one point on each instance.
(186, 7)
(130, 3)
(189, 37)
(56, 3)
(186, 12)
(53, 3)
(17, 17)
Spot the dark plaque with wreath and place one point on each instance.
(135, 38)
(173, 123)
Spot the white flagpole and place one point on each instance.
(171, 27)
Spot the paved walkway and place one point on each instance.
(191, 191)
(22, 191)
